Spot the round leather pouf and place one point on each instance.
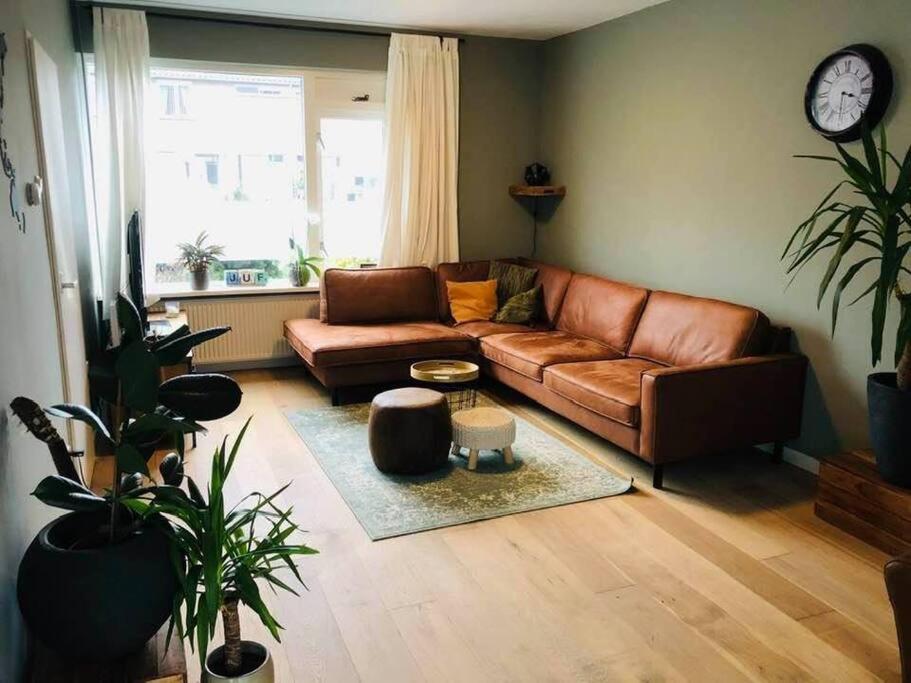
(409, 431)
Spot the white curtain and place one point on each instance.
(121, 43)
(420, 211)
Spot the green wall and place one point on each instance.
(674, 130)
(498, 117)
(29, 362)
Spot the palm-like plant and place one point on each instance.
(303, 265)
(871, 227)
(196, 256)
(220, 555)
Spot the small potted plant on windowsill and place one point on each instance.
(222, 552)
(196, 257)
(302, 267)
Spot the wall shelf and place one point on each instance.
(537, 190)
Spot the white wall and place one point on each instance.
(29, 361)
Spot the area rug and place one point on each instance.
(546, 473)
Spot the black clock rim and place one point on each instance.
(879, 101)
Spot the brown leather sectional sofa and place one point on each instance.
(665, 376)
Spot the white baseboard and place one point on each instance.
(796, 458)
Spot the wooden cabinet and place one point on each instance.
(853, 497)
(155, 664)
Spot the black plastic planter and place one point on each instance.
(96, 603)
(890, 427)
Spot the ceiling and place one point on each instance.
(507, 18)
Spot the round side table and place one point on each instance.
(455, 378)
(480, 429)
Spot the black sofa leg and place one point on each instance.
(658, 476)
(777, 452)
(333, 396)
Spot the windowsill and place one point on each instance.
(181, 290)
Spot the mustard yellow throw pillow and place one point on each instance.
(472, 300)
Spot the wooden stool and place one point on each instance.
(480, 429)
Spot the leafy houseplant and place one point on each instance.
(197, 257)
(222, 554)
(870, 227)
(302, 266)
(103, 573)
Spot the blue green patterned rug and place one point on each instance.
(546, 473)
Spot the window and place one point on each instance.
(220, 167)
(347, 165)
(256, 156)
(173, 99)
(351, 165)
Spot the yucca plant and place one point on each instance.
(867, 229)
(220, 554)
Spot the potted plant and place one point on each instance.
(223, 552)
(197, 257)
(869, 227)
(99, 581)
(302, 267)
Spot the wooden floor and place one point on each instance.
(725, 575)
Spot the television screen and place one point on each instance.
(134, 261)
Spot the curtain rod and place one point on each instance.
(242, 20)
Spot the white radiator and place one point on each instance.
(256, 326)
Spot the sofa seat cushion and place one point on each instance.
(484, 328)
(609, 388)
(528, 353)
(322, 345)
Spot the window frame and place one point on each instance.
(371, 110)
(313, 109)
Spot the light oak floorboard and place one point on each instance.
(726, 575)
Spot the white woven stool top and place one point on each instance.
(483, 428)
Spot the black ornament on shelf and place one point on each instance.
(537, 174)
(8, 169)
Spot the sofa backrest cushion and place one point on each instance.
(469, 271)
(686, 330)
(553, 280)
(601, 309)
(376, 295)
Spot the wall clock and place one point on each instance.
(849, 87)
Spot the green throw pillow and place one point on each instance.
(511, 279)
(521, 309)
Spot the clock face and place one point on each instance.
(842, 92)
(850, 88)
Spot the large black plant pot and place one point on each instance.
(97, 603)
(890, 427)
